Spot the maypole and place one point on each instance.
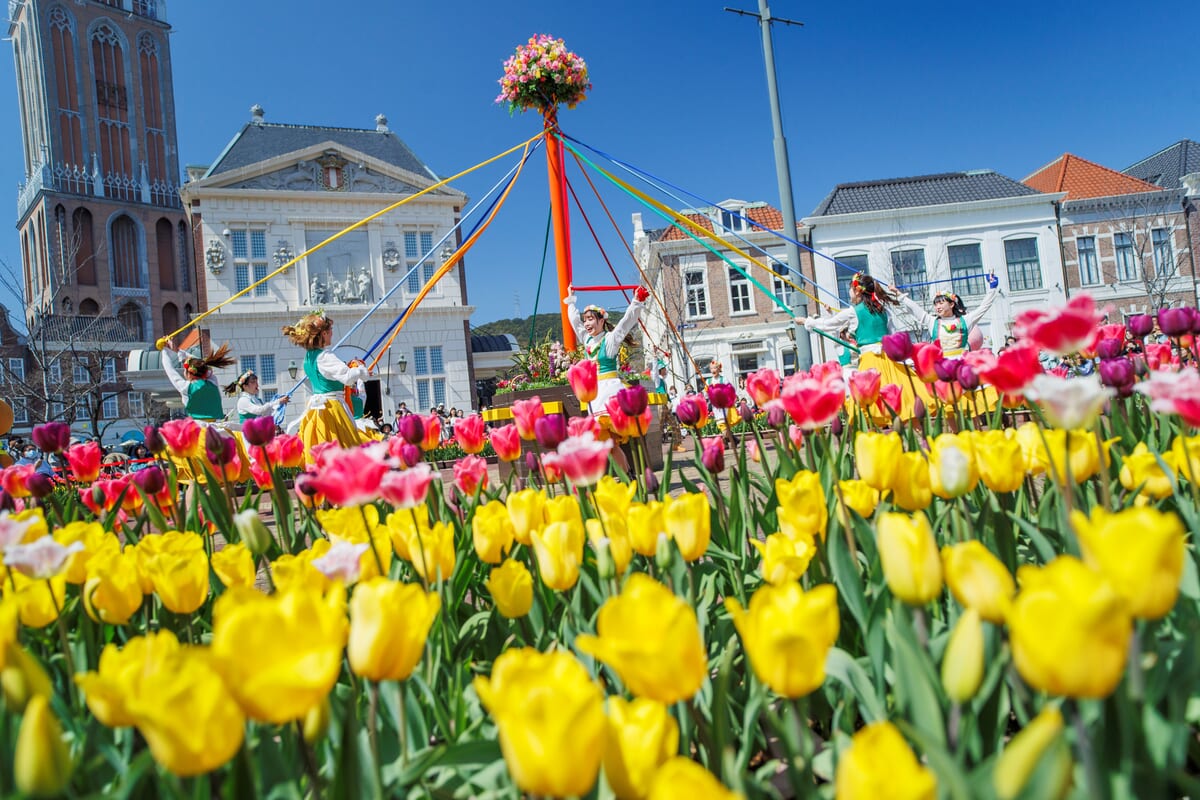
(542, 75)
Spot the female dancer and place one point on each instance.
(250, 404)
(193, 378)
(602, 342)
(868, 319)
(950, 323)
(327, 418)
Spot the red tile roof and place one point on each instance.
(1081, 178)
(766, 216)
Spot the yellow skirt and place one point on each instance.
(189, 470)
(902, 376)
(330, 423)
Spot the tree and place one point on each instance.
(1151, 249)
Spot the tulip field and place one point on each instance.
(840, 600)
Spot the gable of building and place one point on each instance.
(1081, 178)
(921, 190)
(758, 213)
(1166, 168)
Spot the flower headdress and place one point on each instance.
(954, 300)
(597, 310)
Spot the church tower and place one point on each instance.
(102, 226)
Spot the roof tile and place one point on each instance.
(920, 190)
(1081, 178)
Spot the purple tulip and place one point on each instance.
(412, 428)
(1107, 349)
(219, 448)
(947, 369)
(550, 430)
(633, 400)
(410, 454)
(1175, 321)
(1195, 320)
(650, 480)
(1116, 372)
(304, 484)
(52, 437)
(154, 442)
(836, 427)
(722, 395)
(6, 501)
(688, 411)
(151, 479)
(39, 485)
(713, 458)
(968, 378)
(531, 463)
(259, 430)
(1140, 325)
(1125, 390)
(918, 408)
(776, 416)
(743, 409)
(897, 346)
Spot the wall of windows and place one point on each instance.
(430, 370)
(1024, 268)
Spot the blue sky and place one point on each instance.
(869, 90)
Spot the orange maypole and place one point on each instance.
(558, 216)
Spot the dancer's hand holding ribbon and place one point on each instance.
(641, 293)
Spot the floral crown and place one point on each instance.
(858, 280)
(948, 296)
(595, 309)
(245, 376)
(195, 366)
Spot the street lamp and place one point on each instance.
(293, 368)
(402, 363)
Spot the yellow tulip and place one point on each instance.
(32, 520)
(613, 497)
(1186, 450)
(952, 470)
(234, 565)
(881, 765)
(559, 551)
(909, 555)
(857, 496)
(1140, 551)
(96, 542)
(403, 526)
(1069, 629)
(564, 508)
(641, 737)
(10, 619)
(651, 639)
(175, 543)
(911, 489)
(550, 716)
(978, 579)
(787, 633)
(611, 532)
(316, 722)
(38, 601)
(22, 678)
(527, 510)
(1046, 451)
(41, 761)
(492, 532)
(1140, 471)
(646, 521)
(120, 674)
(684, 779)
(186, 714)
(180, 579)
(389, 623)
(113, 591)
(1000, 461)
(688, 522)
(280, 655)
(962, 663)
(296, 572)
(376, 560)
(876, 456)
(783, 559)
(432, 552)
(511, 587)
(802, 508)
(347, 523)
(1023, 752)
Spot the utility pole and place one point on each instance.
(783, 171)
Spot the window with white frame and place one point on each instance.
(1164, 257)
(733, 220)
(1024, 268)
(416, 245)
(58, 409)
(16, 369)
(109, 374)
(109, 408)
(56, 372)
(137, 406)
(908, 272)
(80, 374)
(782, 291)
(695, 284)
(740, 299)
(1089, 266)
(249, 249)
(966, 268)
(429, 367)
(1126, 257)
(847, 267)
(21, 411)
(266, 370)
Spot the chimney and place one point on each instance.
(381, 123)
(256, 114)
(638, 230)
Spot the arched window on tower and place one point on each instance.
(84, 244)
(131, 317)
(185, 263)
(70, 173)
(124, 255)
(62, 258)
(152, 114)
(112, 108)
(170, 319)
(187, 312)
(89, 308)
(164, 233)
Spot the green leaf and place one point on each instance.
(841, 666)
(915, 679)
(847, 578)
(355, 775)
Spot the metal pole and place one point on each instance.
(784, 177)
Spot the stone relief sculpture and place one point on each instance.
(317, 292)
(306, 176)
(357, 287)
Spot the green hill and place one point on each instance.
(519, 327)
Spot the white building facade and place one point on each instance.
(280, 190)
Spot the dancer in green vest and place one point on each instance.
(601, 341)
(193, 377)
(327, 418)
(250, 404)
(950, 324)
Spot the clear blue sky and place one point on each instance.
(870, 90)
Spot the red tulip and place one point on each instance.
(1013, 370)
(525, 414)
(15, 479)
(506, 441)
(763, 386)
(864, 387)
(924, 356)
(182, 437)
(432, 439)
(1159, 356)
(1062, 330)
(583, 459)
(286, 451)
(811, 403)
(85, 459)
(469, 433)
(582, 376)
(470, 475)
(890, 398)
(351, 477)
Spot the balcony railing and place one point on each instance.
(80, 179)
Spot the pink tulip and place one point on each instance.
(470, 475)
(890, 398)
(407, 489)
(85, 458)
(1013, 370)
(469, 434)
(811, 403)
(722, 395)
(551, 468)
(826, 372)
(350, 477)
(795, 436)
(924, 356)
(864, 387)
(577, 426)
(286, 451)
(506, 441)
(525, 414)
(1174, 393)
(583, 459)
(260, 474)
(763, 386)
(1063, 330)
(433, 432)
(582, 376)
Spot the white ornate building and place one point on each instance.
(278, 190)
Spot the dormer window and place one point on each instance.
(732, 220)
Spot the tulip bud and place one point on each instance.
(410, 454)
(22, 678)
(39, 485)
(531, 463)
(606, 568)
(836, 427)
(51, 437)
(153, 440)
(1140, 325)
(6, 501)
(968, 378)
(663, 553)
(954, 470)
(650, 481)
(41, 762)
(412, 428)
(98, 497)
(1109, 348)
(151, 479)
(897, 346)
(743, 410)
(550, 430)
(259, 430)
(1022, 754)
(962, 664)
(777, 417)
(713, 458)
(219, 448)
(253, 532)
(316, 722)
(633, 400)
(918, 409)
